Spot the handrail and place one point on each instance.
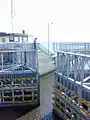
(71, 46)
(42, 47)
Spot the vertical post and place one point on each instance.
(25, 58)
(57, 65)
(75, 68)
(34, 55)
(34, 60)
(13, 57)
(30, 57)
(54, 47)
(2, 59)
(48, 37)
(82, 70)
(68, 65)
(12, 15)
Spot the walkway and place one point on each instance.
(46, 101)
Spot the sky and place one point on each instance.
(71, 19)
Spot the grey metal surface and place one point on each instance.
(45, 62)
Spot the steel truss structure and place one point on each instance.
(19, 77)
(71, 95)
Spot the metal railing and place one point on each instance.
(16, 45)
(71, 46)
(42, 47)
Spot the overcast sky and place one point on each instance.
(71, 18)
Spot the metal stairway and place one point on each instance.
(46, 64)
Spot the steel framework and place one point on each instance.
(19, 77)
(72, 85)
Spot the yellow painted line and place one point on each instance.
(17, 96)
(17, 90)
(28, 90)
(17, 85)
(17, 79)
(6, 85)
(33, 78)
(83, 101)
(28, 84)
(18, 102)
(29, 79)
(29, 101)
(8, 102)
(24, 85)
(7, 91)
(25, 79)
(35, 84)
(27, 96)
(7, 97)
(34, 95)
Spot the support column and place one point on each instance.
(57, 65)
(82, 70)
(75, 68)
(13, 94)
(13, 56)
(2, 60)
(68, 65)
(81, 76)
(34, 60)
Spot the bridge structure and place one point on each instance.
(20, 65)
(72, 81)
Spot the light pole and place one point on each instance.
(12, 16)
(49, 34)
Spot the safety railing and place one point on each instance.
(16, 45)
(42, 47)
(71, 46)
